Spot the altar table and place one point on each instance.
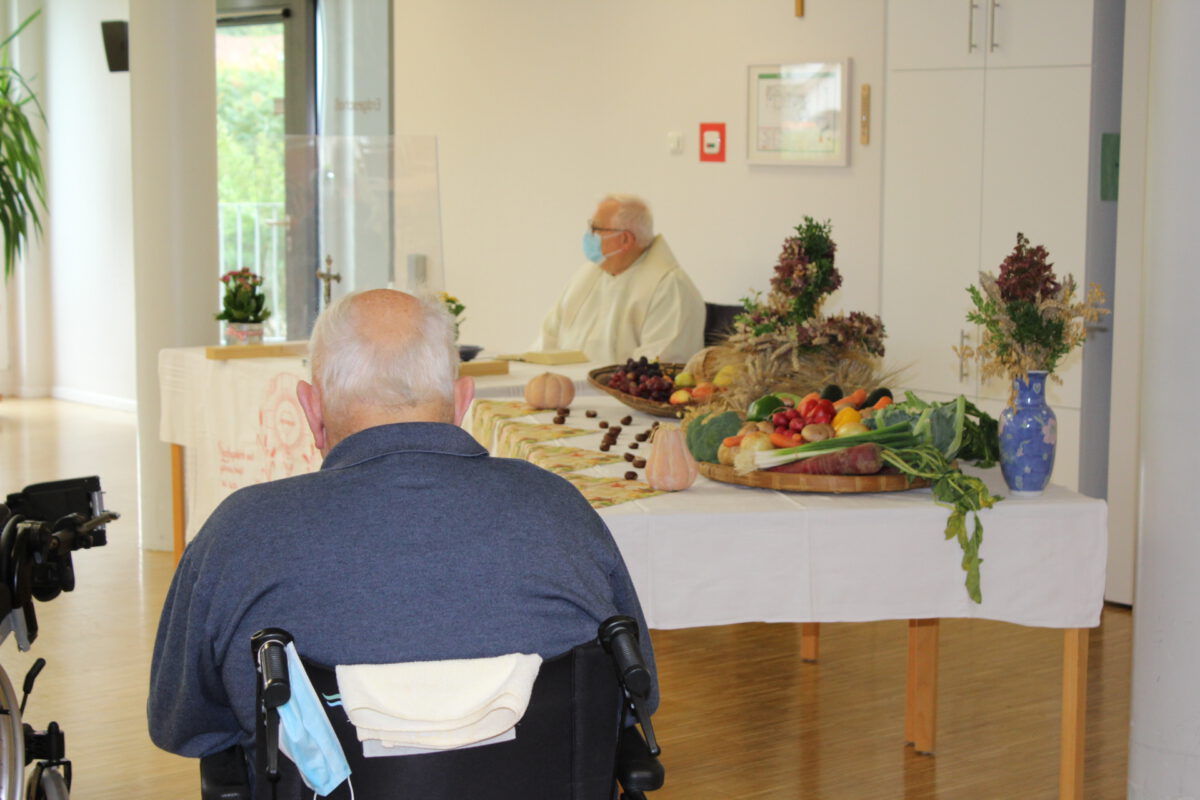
(718, 553)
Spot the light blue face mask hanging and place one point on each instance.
(305, 735)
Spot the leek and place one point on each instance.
(895, 436)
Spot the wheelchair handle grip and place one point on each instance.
(276, 688)
(619, 635)
(271, 658)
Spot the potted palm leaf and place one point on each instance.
(22, 180)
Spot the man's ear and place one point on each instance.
(310, 401)
(464, 393)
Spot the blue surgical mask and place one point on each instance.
(306, 736)
(592, 250)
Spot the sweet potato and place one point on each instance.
(863, 459)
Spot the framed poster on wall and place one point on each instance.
(798, 114)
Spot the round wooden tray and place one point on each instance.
(793, 482)
(599, 378)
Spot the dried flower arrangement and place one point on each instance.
(1030, 318)
(784, 343)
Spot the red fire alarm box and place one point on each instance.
(712, 141)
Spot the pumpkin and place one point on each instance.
(670, 467)
(550, 390)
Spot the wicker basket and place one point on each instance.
(599, 378)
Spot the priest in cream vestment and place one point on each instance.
(632, 299)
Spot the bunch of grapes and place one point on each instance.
(643, 378)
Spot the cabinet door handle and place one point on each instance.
(971, 6)
(992, 45)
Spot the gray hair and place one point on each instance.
(354, 370)
(633, 215)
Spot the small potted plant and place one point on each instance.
(1031, 320)
(244, 308)
(455, 306)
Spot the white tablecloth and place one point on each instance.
(716, 553)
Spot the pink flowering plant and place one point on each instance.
(243, 301)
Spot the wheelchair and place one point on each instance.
(573, 742)
(42, 526)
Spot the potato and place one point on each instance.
(753, 442)
(816, 433)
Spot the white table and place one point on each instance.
(718, 553)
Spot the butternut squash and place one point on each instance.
(670, 467)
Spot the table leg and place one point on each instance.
(1074, 712)
(177, 498)
(810, 641)
(920, 713)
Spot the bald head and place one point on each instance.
(379, 357)
(379, 319)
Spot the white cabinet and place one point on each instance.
(946, 34)
(934, 34)
(988, 130)
(1037, 33)
(931, 207)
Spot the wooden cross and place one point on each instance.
(328, 277)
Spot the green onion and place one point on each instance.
(896, 436)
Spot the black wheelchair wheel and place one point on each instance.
(46, 783)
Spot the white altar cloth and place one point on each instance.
(714, 554)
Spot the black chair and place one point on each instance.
(718, 322)
(572, 742)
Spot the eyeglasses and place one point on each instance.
(594, 228)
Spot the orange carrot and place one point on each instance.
(855, 399)
(883, 402)
(732, 441)
(784, 439)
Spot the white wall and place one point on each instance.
(1164, 757)
(1124, 471)
(537, 114)
(25, 363)
(173, 108)
(90, 235)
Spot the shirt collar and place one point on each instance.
(403, 437)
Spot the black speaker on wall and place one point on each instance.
(116, 44)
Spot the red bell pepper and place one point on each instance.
(821, 413)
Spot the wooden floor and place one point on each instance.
(742, 716)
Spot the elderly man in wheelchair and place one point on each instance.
(417, 617)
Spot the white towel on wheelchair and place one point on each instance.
(437, 705)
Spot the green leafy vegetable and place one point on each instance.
(958, 428)
(946, 426)
(704, 435)
(693, 430)
(981, 438)
(962, 493)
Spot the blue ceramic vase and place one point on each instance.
(1028, 434)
